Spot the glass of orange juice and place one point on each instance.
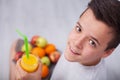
(29, 64)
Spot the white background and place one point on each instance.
(52, 19)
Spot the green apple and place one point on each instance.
(41, 42)
(45, 60)
(23, 49)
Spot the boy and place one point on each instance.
(94, 37)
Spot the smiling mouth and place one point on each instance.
(73, 51)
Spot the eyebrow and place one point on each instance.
(79, 24)
(90, 36)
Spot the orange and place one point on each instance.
(29, 64)
(45, 71)
(50, 48)
(38, 51)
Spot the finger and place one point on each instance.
(37, 73)
(17, 74)
(39, 69)
(20, 70)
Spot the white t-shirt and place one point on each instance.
(65, 70)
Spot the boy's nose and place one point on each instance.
(79, 42)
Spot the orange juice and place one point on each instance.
(29, 64)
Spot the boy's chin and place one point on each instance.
(68, 58)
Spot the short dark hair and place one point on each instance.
(108, 11)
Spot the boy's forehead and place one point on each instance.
(88, 12)
(88, 15)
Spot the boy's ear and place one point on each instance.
(108, 52)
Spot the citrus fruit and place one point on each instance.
(38, 52)
(45, 71)
(50, 48)
(29, 64)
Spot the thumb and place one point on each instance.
(39, 69)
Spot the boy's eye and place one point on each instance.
(92, 43)
(78, 29)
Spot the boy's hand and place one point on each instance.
(23, 75)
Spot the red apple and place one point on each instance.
(17, 56)
(54, 56)
(34, 39)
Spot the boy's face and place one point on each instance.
(88, 40)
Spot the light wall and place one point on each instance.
(52, 19)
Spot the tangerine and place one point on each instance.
(50, 48)
(45, 71)
(38, 51)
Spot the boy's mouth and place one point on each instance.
(73, 51)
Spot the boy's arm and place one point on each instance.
(15, 68)
(12, 64)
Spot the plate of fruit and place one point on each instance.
(39, 46)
